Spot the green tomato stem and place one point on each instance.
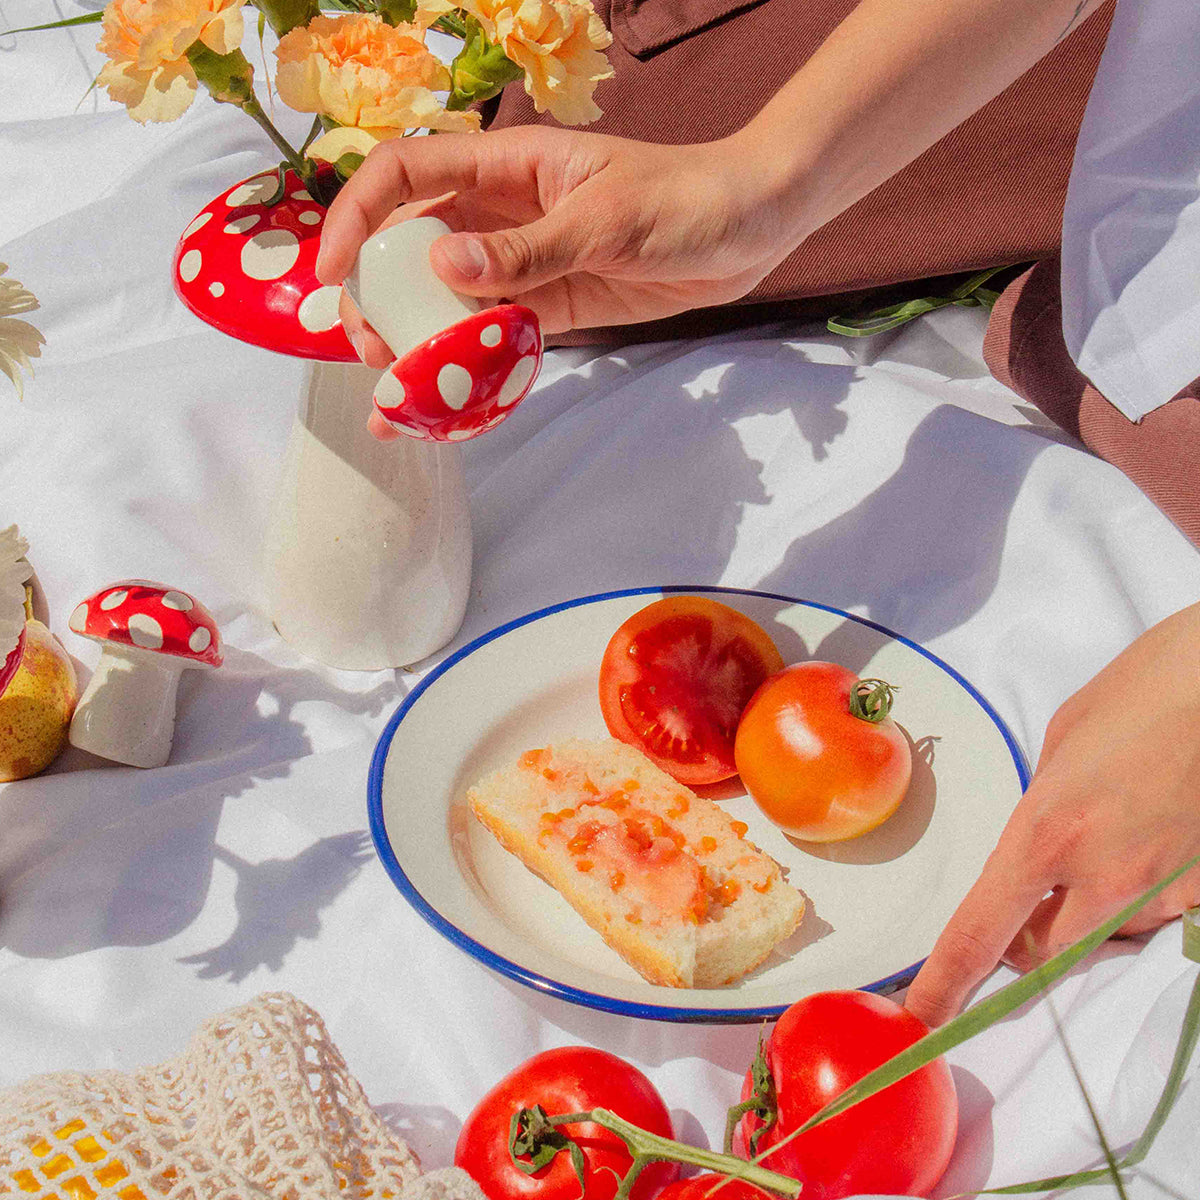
(647, 1147)
(871, 700)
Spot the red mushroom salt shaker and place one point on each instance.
(458, 371)
(149, 634)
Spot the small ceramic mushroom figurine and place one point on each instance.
(458, 371)
(150, 634)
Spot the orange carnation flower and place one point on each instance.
(146, 42)
(559, 45)
(375, 80)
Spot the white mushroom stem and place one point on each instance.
(395, 288)
(127, 712)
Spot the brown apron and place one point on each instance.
(991, 192)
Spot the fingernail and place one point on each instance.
(356, 340)
(466, 256)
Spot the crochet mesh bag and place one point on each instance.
(261, 1104)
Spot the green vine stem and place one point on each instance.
(302, 166)
(871, 700)
(644, 1147)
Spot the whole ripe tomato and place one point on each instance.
(897, 1142)
(814, 767)
(569, 1079)
(675, 678)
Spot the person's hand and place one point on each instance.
(1113, 808)
(585, 229)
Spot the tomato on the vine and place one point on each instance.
(700, 1187)
(675, 678)
(896, 1142)
(819, 754)
(569, 1079)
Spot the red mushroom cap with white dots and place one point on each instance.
(152, 617)
(248, 268)
(465, 380)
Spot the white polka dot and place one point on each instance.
(319, 309)
(454, 386)
(518, 380)
(389, 393)
(78, 621)
(490, 335)
(145, 631)
(408, 431)
(459, 435)
(302, 194)
(200, 639)
(310, 216)
(494, 421)
(199, 223)
(179, 601)
(217, 289)
(114, 600)
(253, 191)
(189, 266)
(270, 254)
(241, 225)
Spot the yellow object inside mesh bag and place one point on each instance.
(260, 1104)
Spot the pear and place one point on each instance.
(36, 707)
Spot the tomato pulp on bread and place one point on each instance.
(675, 678)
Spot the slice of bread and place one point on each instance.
(666, 877)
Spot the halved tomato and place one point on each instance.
(674, 681)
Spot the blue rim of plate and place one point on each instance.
(553, 987)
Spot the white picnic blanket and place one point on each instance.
(892, 478)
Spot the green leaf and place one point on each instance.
(983, 1014)
(396, 12)
(479, 71)
(228, 77)
(86, 19)
(285, 15)
(878, 320)
(348, 164)
(1184, 1050)
(1191, 934)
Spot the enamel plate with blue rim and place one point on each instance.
(875, 903)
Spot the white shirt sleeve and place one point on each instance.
(1131, 223)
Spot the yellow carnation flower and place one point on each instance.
(559, 45)
(374, 79)
(146, 42)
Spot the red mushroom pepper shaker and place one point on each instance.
(466, 379)
(458, 372)
(150, 634)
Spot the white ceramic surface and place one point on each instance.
(876, 903)
(368, 554)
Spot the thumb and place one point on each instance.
(511, 261)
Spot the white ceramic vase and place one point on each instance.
(368, 552)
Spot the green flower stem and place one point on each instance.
(302, 166)
(647, 1147)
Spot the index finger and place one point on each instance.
(975, 938)
(394, 173)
